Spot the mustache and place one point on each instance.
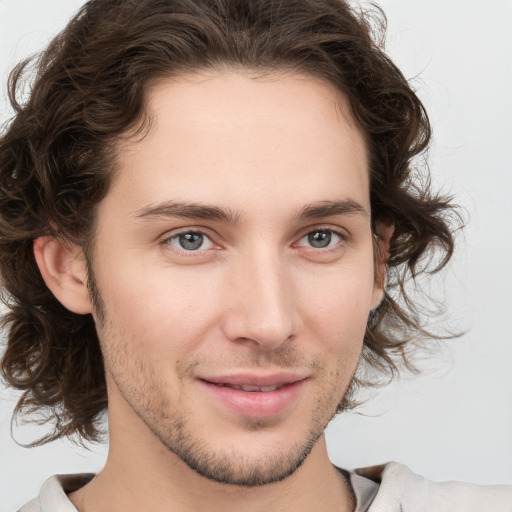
(282, 357)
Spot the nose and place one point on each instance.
(261, 309)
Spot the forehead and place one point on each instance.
(233, 139)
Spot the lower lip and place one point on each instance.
(256, 404)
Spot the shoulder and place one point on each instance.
(394, 487)
(53, 494)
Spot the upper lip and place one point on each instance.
(251, 379)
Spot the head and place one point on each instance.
(119, 82)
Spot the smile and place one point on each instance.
(250, 388)
(254, 396)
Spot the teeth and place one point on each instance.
(250, 388)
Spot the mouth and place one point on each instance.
(251, 388)
(256, 396)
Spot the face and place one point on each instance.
(234, 261)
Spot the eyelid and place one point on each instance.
(343, 234)
(165, 239)
(206, 232)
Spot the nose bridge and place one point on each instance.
(263, 309)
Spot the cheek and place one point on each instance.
(166, 311)
(337, 315)
(342, 296)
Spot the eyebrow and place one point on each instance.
(330, 208)
(188, 211)
(214, 213)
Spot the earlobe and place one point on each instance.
(64, 270)
(382, 242)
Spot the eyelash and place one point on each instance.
(174, 236)
(194, 253)
(342, 238)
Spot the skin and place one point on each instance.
(257, 297)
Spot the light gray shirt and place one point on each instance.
(388, 488)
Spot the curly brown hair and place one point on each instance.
(57, 159)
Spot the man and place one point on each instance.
(200, 203)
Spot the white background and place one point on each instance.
(455, 420)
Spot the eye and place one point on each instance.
(320, 239)
(190, 241)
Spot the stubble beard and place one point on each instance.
(147, 398)
(170, 424)
(233, 467)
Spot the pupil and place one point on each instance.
(191, 241)
(319, 239)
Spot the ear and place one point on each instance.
(64, 270)
(382, 241)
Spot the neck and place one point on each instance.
(146, 476)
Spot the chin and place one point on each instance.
(240, 468)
